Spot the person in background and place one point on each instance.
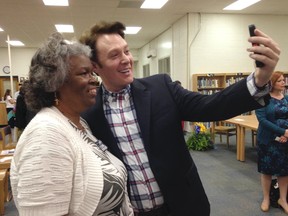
(22, 115)
(140, 120)
(182, 122)
(10, 105)
(59, 167)
(178, 82)
(17, 92)
(272, 142)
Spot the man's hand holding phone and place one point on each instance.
(252, 34)
(265, 51)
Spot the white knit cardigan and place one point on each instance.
(53, 171)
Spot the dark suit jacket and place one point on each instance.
(160, 106)
(23, 115)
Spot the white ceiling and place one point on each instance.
(31, 22)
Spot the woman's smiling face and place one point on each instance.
(79, 91)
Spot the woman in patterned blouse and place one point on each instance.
(59, 167)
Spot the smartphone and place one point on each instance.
(252, 28)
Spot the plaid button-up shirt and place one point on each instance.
(120, 112)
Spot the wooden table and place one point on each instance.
(242, 122)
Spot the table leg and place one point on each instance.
(238, 141)
(242, 145)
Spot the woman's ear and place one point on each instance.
(95, 65)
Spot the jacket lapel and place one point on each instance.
(103, 130)
(142, 102)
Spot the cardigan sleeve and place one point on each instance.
(42, 173)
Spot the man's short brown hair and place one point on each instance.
(91, 36)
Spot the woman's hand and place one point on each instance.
(283, 139)
(286, 133)
(12, 101)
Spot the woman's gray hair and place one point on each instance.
(49, 70)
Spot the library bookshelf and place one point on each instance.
(214, 82)
(210, 83)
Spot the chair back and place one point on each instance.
(7, 138)
(222, 129)
(1, 142)
(3, 114)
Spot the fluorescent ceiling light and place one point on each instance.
(132, 30)
(153, 4)
(64, 28)
(240, 4)
(15, 43)
(56, 2)
(1, 29)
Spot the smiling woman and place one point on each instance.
(59, 142)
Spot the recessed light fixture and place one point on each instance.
(15, 43)
(1, 29)
(56, 2)
(153, 4)
(240, 4)
(64, 28)
(132, 29)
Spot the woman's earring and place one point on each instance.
(56, 99)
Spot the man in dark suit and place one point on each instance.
(140, 121)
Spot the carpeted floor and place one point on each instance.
(233, 187)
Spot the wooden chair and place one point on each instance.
(222, 128)
(3, 114)
(254, 137)
(6, 139)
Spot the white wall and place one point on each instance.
(20, 59)
(179, 56)
(222, 42)
(209, 43)
(163, 46)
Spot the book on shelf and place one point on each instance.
(7, 152)
(205, 82)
